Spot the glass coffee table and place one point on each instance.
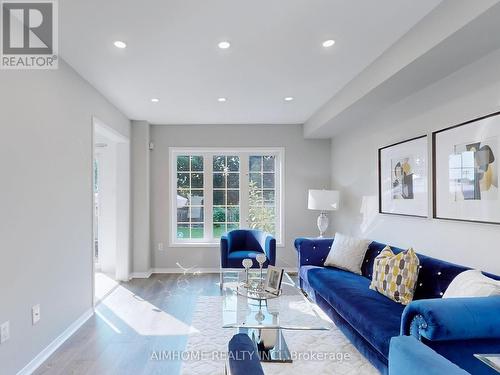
(264, 320)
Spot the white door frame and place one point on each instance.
(123, 184)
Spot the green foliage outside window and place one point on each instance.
(260, 216)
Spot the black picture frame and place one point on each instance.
(434, 171)
(380, 210)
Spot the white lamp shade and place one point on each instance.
(323, 200)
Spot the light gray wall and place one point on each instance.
(46, 204)
(467, 94)
(140, 197)
(307, 165)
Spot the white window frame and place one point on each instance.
(243, 153)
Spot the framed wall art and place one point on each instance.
(465, 177)
(403, 178)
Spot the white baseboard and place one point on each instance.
(54, 345)
(177, 270)
(141, 275)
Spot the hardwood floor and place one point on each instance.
(133, 320)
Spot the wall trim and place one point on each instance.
(54, 345)
(141, 275)
(176, 270)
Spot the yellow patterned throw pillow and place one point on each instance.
(395, 275)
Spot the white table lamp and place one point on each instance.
(323, 200)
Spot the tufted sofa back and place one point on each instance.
(434, 276)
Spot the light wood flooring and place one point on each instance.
(132, 320)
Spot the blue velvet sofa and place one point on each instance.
(455, 328)
(406, 351)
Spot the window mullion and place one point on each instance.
(208, 193)
(244, 176)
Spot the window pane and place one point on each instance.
(182, 215)
(233, 163)
(231, 227)
(233, 214)
(197, 163)
(262, 218)
(196, 180)
(197, 197)
(219, 230)
(219, 180)
(256, 179)
(219, 197)
(269, 163)
(233, 197)
(219, 163)
(255, 163)
(219, 215)
(183, 180)
(268, 180)
(196, 214)
(269, 196)
(197, 231)
(233, 180)
(182, 230)
(183, 163)
(183, 193)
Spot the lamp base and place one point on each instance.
(322, 223)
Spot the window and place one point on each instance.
(190, 193)
(216, 191)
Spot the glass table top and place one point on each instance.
(492, 360)
(291, 310)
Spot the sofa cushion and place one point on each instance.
(373, 315)
(472, 283)
(234, 258)
(395, 275)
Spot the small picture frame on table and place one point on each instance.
(273, 280)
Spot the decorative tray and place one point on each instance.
(254, 292)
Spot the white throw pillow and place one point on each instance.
(472, 283)
(347, 253)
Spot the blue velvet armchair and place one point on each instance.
(246, 243)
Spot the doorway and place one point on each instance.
(111, 209)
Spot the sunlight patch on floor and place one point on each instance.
(104, 284)
(140, 315)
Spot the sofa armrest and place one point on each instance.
(313, 251)
(270, 249)
(409, 356)
(444, 319)
(224, 251)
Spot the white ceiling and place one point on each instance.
(276, 51)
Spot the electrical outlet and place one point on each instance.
(35, 314)
(4, 332)
(160, 246)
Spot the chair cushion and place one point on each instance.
(234, 258)
(373, 315)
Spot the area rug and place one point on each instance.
(316, 352)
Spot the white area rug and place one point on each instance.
(212, 338)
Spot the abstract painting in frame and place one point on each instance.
(465, 177)
(403, 178)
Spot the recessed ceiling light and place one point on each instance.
(328, 43)
(155, 100)
(224, 45)
(289, 98)
(222, 100)
(120, 44)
